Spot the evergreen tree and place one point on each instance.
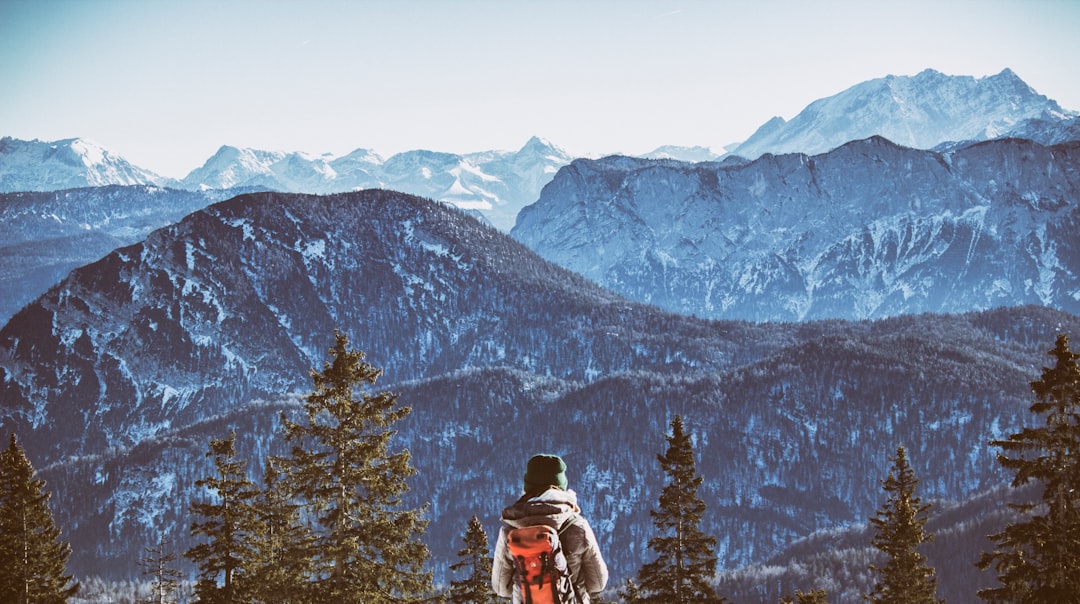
(815, 596)
(475, 588)
(281, 545)
(367, 548)
(33, 558)
(686, 556)
(165, 579)
(1038, 559)
(901, 529)
(227, 522)
(630, 592)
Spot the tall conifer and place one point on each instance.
(33, 558)
(165, 579)
(227, 521)
(475, 558)
(686, 558)
(1038, 559)
(367, 548)
(901, 529)
(281, 544)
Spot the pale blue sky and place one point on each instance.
(165, 83)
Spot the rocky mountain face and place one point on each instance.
(117, 379)
(869, 230)
(920, 111)
(45, 235)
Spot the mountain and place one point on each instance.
(920, 111)
(43, 235)
(868, 230)
(274, 170)
(495, 184)
(689, 154)
(116, 379)
(66, 164)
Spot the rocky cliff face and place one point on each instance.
(868, 230)
(44, 235)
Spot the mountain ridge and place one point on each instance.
(869, 229)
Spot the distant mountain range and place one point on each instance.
(494, 184)
(868, 230)
(921, 111)
(116, 379)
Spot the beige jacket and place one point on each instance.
(554, 508)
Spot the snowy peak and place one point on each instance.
(920, 111)
(236, 167)
(687, 154)
(495, 183)
(66, 164)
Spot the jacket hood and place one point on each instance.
(553, 507)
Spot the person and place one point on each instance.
(547, 500)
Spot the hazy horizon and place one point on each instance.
(166, 83)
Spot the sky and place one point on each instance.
(165, 83)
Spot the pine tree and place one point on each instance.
(165, 579)
(33, 558)
(686, 556)
(1038, 559)
(814, 596)
(901, 529)
(227, 522)
(630, 592)
(367, 548)
(281, 545)
(475, 588)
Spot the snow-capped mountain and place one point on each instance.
(116, 379)
(920, 111)
(495, 184)
(492, 184)
(687, 154)
(66, 164)
(869, 230)
(274, 170)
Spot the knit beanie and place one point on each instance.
(543, 471)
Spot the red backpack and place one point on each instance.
(540, 569)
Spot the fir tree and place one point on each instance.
(165, 579)
(475, 588)
(33, 558)
(367, 548)
(1038, 559)
(227, 523)
(281, 545)
(814, 596)
(901, 529)
(630, 592)
(686, 557)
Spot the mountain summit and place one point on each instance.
(66, 164)
(920, 111)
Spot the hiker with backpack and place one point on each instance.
(546, 552)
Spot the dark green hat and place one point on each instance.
(543, 471)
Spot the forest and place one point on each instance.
(328, 522)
